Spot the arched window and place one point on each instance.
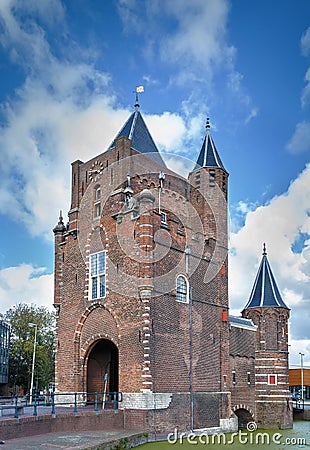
(97, 271)
(182, 289)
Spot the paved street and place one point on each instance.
(68, 441)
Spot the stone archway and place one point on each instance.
(102, 367)
(244, 417)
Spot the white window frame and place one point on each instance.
(248, 375)
(233, 377)
(178, 293)
(96, 276)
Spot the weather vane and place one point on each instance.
(138, 90)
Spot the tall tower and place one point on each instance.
(141, 285)
(268, 311)
(209, 186)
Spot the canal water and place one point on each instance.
(296, 438)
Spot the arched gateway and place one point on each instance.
(102, 367)
(244, 416)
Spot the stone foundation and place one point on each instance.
(160, 413)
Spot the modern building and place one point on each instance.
(141, 292)
(4, 356)
(298, 378)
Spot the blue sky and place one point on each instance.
(68, 72)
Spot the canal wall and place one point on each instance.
(304, 415)
(62, 422)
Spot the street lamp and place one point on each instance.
(35, 326)
(187, 270)
(302, 374)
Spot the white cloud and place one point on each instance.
(25, 284)
(167, 129)
(195, 38)
(305, 42)
(300, 141)
(199, 38)
(61, 112)
(297, 347)
(306, 91)
(280, 223)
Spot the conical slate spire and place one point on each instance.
(136, 130)
(208, 156)
(265, 292)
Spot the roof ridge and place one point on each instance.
(133, 124)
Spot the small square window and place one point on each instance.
(272, 379)
(163, 217)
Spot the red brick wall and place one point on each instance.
(63, 422)
(152, 334)
(272, 402)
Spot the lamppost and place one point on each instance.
(35, 326)
(302, 374)
(187, 270)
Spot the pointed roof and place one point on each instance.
(265, 291)
(208, 156)
(136, 130)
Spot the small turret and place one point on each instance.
(265, 291)
(270, 314)
(208, 156)
(60, 228)
(59, 232)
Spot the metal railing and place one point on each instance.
(60, 401)
(298, 404)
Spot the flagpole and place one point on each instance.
(138, 90)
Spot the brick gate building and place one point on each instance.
(141, 286)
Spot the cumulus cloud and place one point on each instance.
(168, 129)
(25, 284)
(281, 223)
(63, 111)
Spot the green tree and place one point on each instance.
(22, 344)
